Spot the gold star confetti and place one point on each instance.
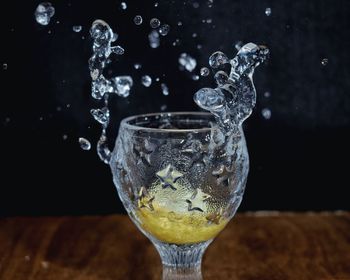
(169, 176)
(197, 199)
(143, 200)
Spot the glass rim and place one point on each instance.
(125, 122)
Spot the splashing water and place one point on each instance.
(84, 144)
(164, 29)
(188, 62)
(154, 40)
(146, 80)
(44, 12)
(138, 20)
(154, 23)
(77, 28)
(103, 36)
(234, 99)
(165, 89)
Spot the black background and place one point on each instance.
(299, 157)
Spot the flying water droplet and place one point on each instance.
(266, 113)
(165, 89)
(163, 107)
(154, 23)
(84, 144)
(122, 85)
(44, 12)
(138, 20)
(218, 59)
(154, 40)
(4, 66)
(77, 28)
(187, 61)
(146, 80)
(179, 23)
(195, 77)
(164, 29)
(101, 115)
(156, 4)
(137, 66)
(118, 50)
(195, 5)
(324, 61)
(123, 5)
(268, 11)
(64, 136)
(267, 94)
(204, 71)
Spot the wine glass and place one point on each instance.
(181, 181)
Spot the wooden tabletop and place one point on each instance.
(262, 246)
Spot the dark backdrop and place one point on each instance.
(299, 157)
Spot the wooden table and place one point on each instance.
(262, 246)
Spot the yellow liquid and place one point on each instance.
(178, 228)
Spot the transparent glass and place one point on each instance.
(177, 186)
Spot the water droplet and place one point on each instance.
(268, 11)
(156, 4)
(157, 79)
(45, 264)
(77, 28)
(164, 29)
(44, 12)
(188, 62)
(64, 136)
(163, 107)
(209, 20)
(266, 113)
(179, 23)
(194, 35)
(199, 46)
(238, 45)
(146, 80)
(154, 40)
(195, 77)
(267, 94)
(195, 5)
(176, 42)
(137, 66)
(324, 61)
(218, 59)
(100, 115)
(4, 66)
(165, 89)
(123, 5)
(27, 258)
(221, 78)
(204, 71)
(154, 23)
(58, 108)
(138, 20)
(41, 118)
(122, 85)
(118, 50)
(84, 144)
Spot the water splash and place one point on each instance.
(188, 62)
(154, 23)
(138, 20)
(44, 12)
(77, 28)
(103, 37)
(234, 99)
(154, 40)
(84, 144)
(146, 80)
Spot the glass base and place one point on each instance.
(181, 261)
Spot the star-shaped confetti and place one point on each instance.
(168, 176)
(143, 201)
(196, 201)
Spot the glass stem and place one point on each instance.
(182, 261)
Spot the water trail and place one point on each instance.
(103, 37)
